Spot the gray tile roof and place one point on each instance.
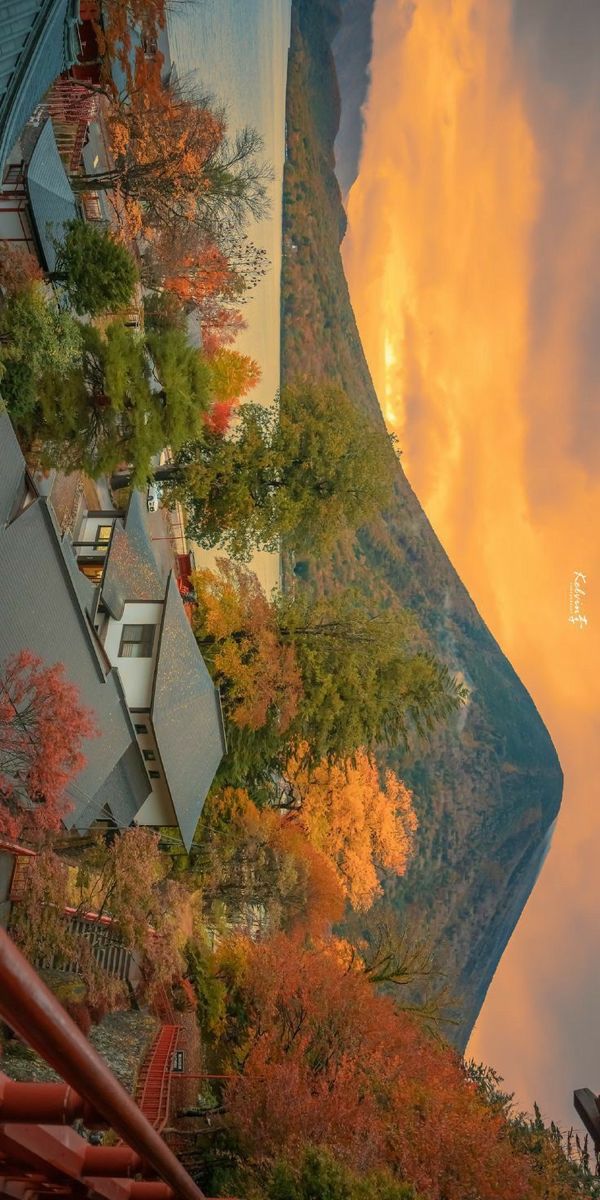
(186, 714)
(12, 468)
(128, 778)
(51, 198)
(37, 42)
(131, 571)
(43, 611)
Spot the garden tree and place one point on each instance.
(104, 412)
(40, 926)
(172, 163)
(127, 881)
(129, 398)
(219, 324)
(261, 870)
(96, 272)
(43, 726)
(35, 336)
(335, 673)
(304, 474)
(359, 823)
(194, 267)
(163, 311)
(18, 269)
(326, 1061)
(236, 628)
(184, 380)
(233, 375)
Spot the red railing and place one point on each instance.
(38, 1157)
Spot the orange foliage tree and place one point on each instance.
(237, 633)
(253, 859)
(182, 259)
(353, 819)
(328, 1062)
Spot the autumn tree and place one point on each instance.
(236, 630)
(325, 1061)
(303, 474)
(188, 263)
(220, 324)
(18, 269)
(260, 869)
(43, 727)
(172, 162)
(336, 673)
(96, 272)
(127, 880)
(233, 375)
(361, 824)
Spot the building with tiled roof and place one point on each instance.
(45, 607)
(142, 625)
(38, 41)
(101, 605)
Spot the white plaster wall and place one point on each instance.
(157, 809)
(136, 674)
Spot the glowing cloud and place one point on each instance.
(471, 299)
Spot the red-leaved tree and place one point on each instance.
(328, 1062)
(42, 727)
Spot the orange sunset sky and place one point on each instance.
(473, 258)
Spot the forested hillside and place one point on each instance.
(488, 787)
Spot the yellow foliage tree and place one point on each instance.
(357, 822)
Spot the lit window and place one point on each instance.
(149, 755)
(103, 533)
(137, 641)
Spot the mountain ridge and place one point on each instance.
(488, 786)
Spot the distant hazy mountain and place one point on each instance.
(488, 787)
(352, 46)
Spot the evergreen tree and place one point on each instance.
(96, 272)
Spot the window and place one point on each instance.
(137, 641)
(149, 755)
(92, 571)
(103, 533)
(141, 728)
(154, 774)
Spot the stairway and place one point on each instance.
(153, 1090)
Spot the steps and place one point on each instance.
(153, 1090)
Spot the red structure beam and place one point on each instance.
(34, 1013)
